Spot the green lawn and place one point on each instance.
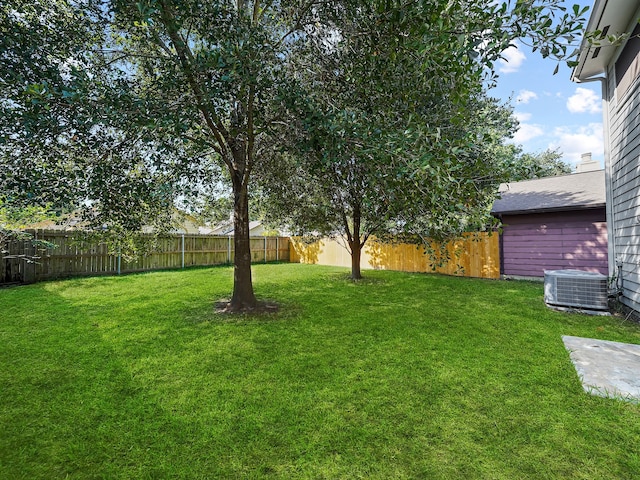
(398, 376)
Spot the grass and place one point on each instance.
(398, 376)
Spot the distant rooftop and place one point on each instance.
(577, 191)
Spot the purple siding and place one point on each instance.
(534, 243)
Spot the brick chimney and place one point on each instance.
(587, 164)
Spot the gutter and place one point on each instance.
(592, 24)
(602, 81)
(608, 171)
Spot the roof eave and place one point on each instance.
(593, 60)
(550, 210)
(585, 48)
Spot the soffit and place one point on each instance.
(618, 15)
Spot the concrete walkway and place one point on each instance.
(607, 369)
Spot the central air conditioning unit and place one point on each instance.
(576, 289)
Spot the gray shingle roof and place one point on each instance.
(567, 192)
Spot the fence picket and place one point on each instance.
(475, 255)
(73, 257)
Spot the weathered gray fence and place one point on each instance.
(73, 257)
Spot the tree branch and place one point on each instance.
(186, 61)
(299, 22)
(215, 147)
(347, 230)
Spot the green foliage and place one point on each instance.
(396, 133)
(122, 108)
(12, 218)
(70, 123)
(528, 166)
(146, 104)
(13, 222)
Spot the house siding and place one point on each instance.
(533, 243)
(624, 174)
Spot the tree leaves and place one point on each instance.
(124, 108)
(527, 166)
(402, 141)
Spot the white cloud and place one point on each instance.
(512, 60)
(584, 101)
(526, 132)
(525, 96)
(573, 142)
(522, 116)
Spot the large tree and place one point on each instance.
(124, 107)
(351, 176)
(402, 137)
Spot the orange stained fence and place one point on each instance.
(473, 255)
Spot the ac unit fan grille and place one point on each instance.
(581, 292)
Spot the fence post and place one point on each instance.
(183, 250)
(265, 249)
(277, 250)
(29, 265)
(229, 249)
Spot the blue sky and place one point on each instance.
(553, 111)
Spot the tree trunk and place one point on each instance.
(355, 245)
(356, 252)
(243, 296)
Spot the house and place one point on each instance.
(182, 223)
(553, 223)
(617, 68)
(256, 229)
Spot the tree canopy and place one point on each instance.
(125, 107)
(402, 138)
(527, 166)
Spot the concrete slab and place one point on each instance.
(607, 369)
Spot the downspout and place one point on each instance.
(608, 174)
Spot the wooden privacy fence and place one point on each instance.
(474, 255)
(73, 257)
